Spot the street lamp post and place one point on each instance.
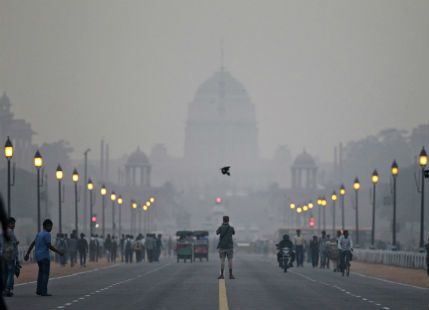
(342, 194)
(334, 199)
(394, 175)
(423, 160)
(356, 186)
(76, 200)
(120, 201)
(319, 214)
(8, 152)
(59, 174)
(132, 217)
(103, 192)
(85, 178)
(91, 214)
(374, 180)
(324, 203)
(113, 198)
(38, 163)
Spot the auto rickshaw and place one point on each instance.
(185, 246)
(201, 245)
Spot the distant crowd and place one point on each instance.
(126, 248)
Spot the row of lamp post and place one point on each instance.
(423, 161)
(38, 164)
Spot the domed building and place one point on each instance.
(221, 126)
(304, 166)
(138, 169)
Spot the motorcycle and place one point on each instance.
(284, 258)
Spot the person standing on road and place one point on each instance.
(9, 257)
(322, 249)
(72, 248)
(42, 242)
(299, 241)
(82, 247)
(314, 249)
(225, 246)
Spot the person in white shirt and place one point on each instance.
(345, 245)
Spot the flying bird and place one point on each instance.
(225, 170)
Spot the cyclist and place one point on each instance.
(345, 245)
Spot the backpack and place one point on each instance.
(9, 250)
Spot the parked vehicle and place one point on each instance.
(185, 246)
(201, 245)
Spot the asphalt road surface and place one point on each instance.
(260, 284)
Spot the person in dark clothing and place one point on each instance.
(158, 247)
(82, 247)
(225, 246)
(286, 243)
(114, 250)
(4, 226)
(314, 250)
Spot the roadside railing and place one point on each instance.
(394, 258)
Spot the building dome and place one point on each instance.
(138, 158)
(222, 83)
(304, 160)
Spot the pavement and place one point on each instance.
(260, 284)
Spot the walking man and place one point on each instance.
(225, 246)
(43, 245)
(299, 248)
(82, 247)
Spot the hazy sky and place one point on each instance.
(318, 72)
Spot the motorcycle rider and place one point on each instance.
(285, 243)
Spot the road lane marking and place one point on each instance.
(223, 300)
(389, 281)
(339, 288)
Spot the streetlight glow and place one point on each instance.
(145, 207)
(38, 160)
(152, 200)
(342, 190)
(305, 208)
(120, 200)
(375, 177)
(423, 158)
(395, 169)
(334, 196)
(8, 149)
(292, 206)
(324, 202)
(103, 190)
(75, 176)
(148, 203)
(90, 185)
(310, 205)
(356, 184)
(59, 173)
(299, 210)
(113, 196)
(134, 205)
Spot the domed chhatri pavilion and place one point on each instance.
(304, 166)
(221, 123)
(138, 162)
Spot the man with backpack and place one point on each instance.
(225, 246)
(9, 258)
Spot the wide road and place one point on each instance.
(260, 284)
